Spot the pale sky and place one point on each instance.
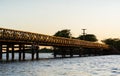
(99, 17)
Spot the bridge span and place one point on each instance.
(12, 41)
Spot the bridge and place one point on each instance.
(12, 41)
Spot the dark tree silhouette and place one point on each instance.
(114, 44)
(63, 33)
(88, 37)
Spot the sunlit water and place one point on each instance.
(78, 66)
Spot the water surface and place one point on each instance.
(78, 66)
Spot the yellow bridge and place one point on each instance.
(14, 38)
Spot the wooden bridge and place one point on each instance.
(20, 41)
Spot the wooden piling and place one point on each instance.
(79, 52)
(20, 52)
(37, 52)
(0, 51)
(12, 52)
(63, 52)
(7, 53)
(71, 52)
(23, 50)
(54, 52)
(32, 54)
(33, 51)
(101, 51)
(95, 53)
(55, 55)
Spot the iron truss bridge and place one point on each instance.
(16, 36)
(22, 42)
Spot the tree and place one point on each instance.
(63, 33)
(114, 44)
(88, 37)
(110, 41)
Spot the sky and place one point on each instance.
(99, 17)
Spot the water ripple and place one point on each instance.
(81, 66)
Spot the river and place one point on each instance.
(108, 65)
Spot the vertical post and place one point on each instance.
(20, 52)
(84, 51)
(79, 52)
(97, 52)
(101, 51)
(7, 53)
(54, 52)
(32, 54)
(94, 52)
(0, 51)
(23, 52)
(63, 52)
(71, 52)
(89, 52)
(33, 50)
(37, 52)
(12, 52)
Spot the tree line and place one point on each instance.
(114, 43)
(67, 34)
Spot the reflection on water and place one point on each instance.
(81, 66)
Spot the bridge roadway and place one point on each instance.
(10, 38)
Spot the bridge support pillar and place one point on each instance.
(23, 46)
(101, 51)
(71, 52)
(0, 51)
(7, 52)
(55, 51)
(19, 52)
(33, 51)
(12, 52)
(32, 55)
(89, 52)
(80, 52)
(37, 53)
(55, 54)
(95, 53)
(63, 52)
